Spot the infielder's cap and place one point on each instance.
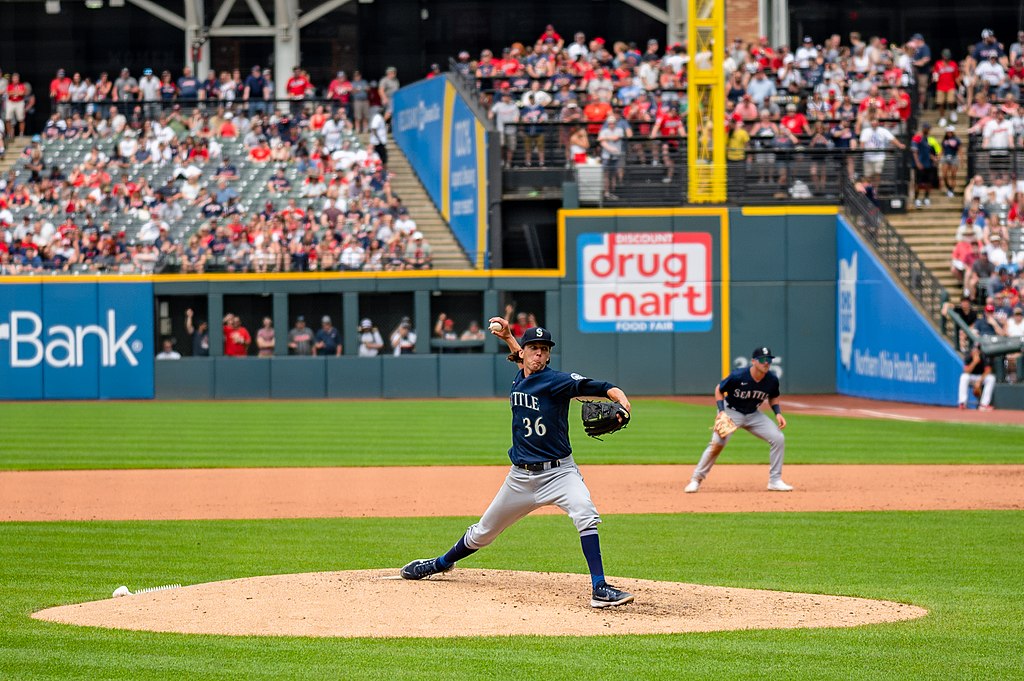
(536, 334)
(763, 352)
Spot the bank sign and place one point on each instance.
(645, 281)
(76, 341)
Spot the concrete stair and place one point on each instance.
(447, 252)
(15, 146)
(931, 230)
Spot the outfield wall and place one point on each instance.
(661, 301)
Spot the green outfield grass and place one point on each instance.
(965, 567)
(437, 432)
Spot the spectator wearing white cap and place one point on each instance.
(370, 341)
(417, 253)
(149, 93)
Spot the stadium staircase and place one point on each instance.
(447, 252)
(931, 231)
(15, 147)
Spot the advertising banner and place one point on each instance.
(887, 349)
(466, 176)
(446, 147)
(418, 114)
(645, 281)
(76, 341)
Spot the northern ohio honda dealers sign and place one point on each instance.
(645, 281)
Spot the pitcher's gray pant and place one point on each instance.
(759, 425)
(525, 491)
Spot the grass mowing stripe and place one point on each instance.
(320, 433)
(963, 566)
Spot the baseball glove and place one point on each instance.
(603, 418)
(724, 425)
(977, 390)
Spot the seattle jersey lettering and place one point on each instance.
(524, 400)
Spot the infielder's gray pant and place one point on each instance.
(759, 425)
(525, 491)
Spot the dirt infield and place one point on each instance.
(376, 603)
(467, 490)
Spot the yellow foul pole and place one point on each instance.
(705, 119)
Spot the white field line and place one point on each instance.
(867, 412)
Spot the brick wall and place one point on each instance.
(741, 20)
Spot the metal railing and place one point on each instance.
(653, 170)
(905, 264)
(816, 175)
(186, 106)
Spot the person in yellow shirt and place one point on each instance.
(736, 154)
(739, 138)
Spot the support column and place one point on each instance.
(197, 44)
(675, 30)
(286, 44)
(281, 328)
(780, 22)
(350, 323)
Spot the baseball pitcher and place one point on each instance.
(543, 472)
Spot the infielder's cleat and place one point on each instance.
(424, 567)
(692, 487)
(779, 486)
(605, 596)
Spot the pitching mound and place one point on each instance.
(375, 603)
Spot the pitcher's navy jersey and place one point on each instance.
(744, 394)
(540, 413)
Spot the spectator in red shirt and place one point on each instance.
(297, 87)
(340, 92)
(60, 93)
(550, 34)
(946, 75)
(899, 104)
(19, 100)
(595, 112)
(795, 121)
(236, 339)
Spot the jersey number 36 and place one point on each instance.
(535, 427)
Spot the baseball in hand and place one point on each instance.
(121, 591)
(495, 326)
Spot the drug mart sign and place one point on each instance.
(76, 341)
(645, 281)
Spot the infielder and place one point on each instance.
(543, 472)
(739, 397)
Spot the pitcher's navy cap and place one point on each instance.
(536, 334)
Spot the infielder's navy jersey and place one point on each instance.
(744, 394)
(540, 413)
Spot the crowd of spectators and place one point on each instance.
(200, 179)
(830, 94)
(820, 94)
(305, 341)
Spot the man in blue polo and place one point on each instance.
(328, 340)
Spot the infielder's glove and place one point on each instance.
(724, 425)
(603, 418)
